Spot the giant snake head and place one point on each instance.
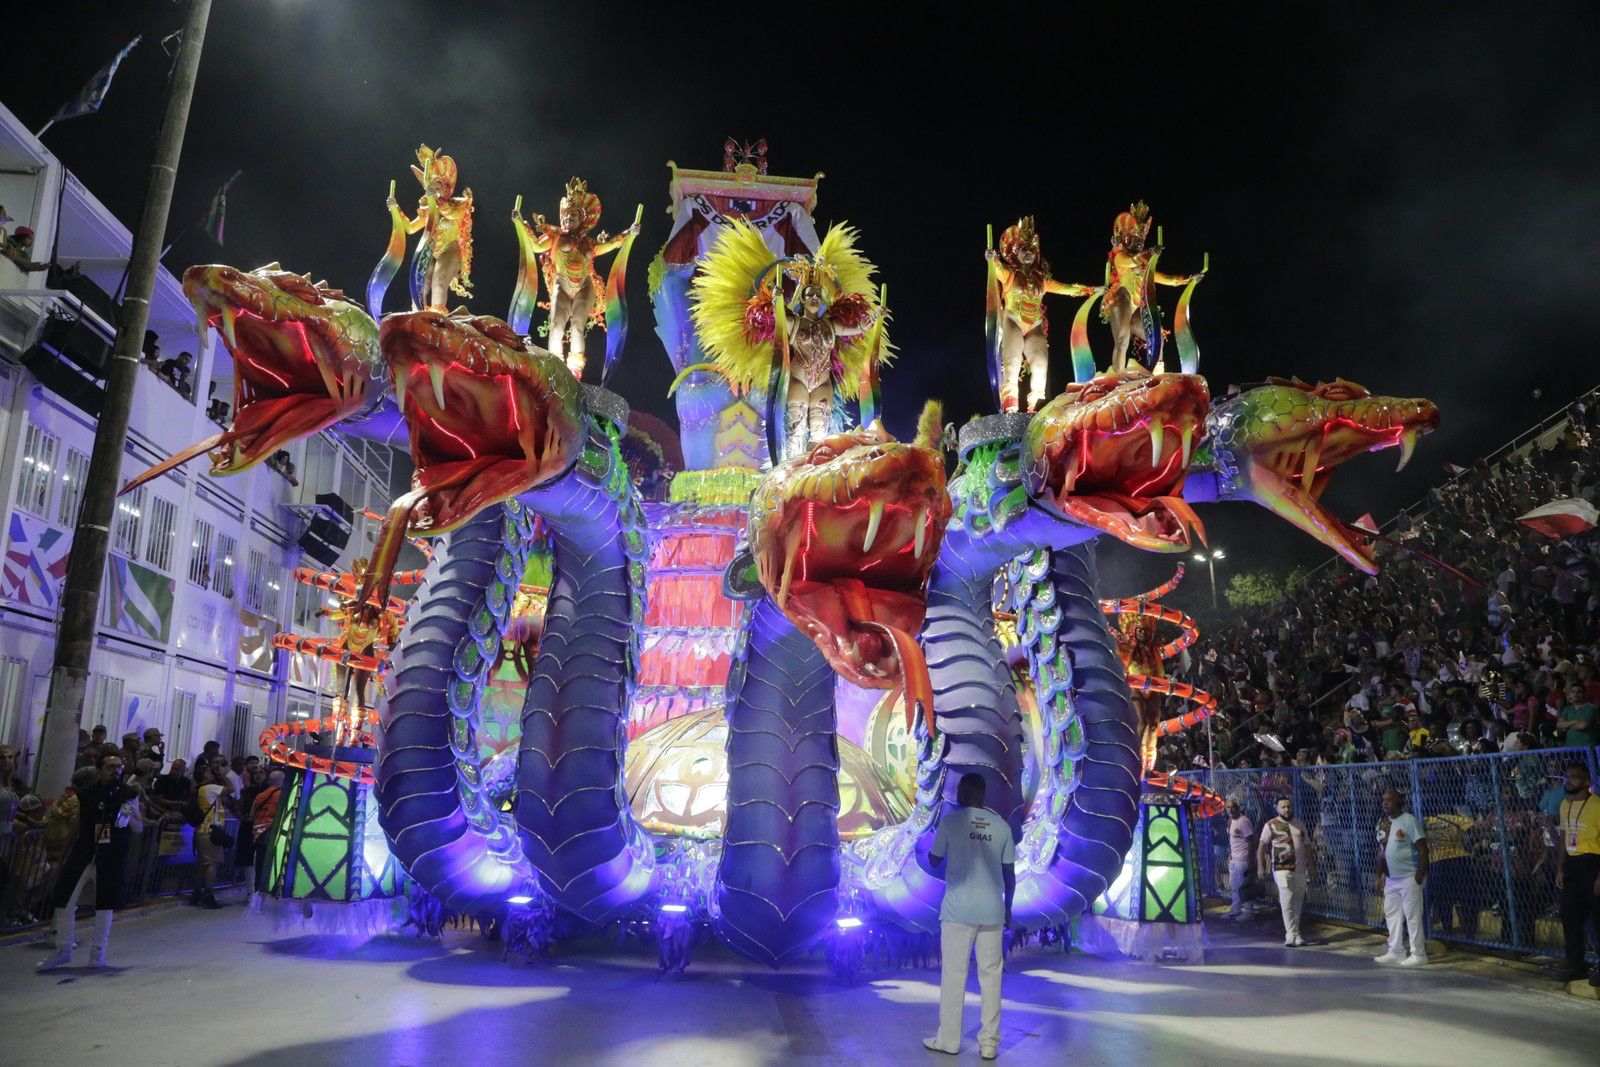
(489, 416)
(304, 357)
(1277, 444)
(843, 540)
(1111, 454)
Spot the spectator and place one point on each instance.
(235, 773)
(1240, 833)
(153, 747)
(99, 849)
(211, 798)
(1576, 726)
(177, 372)
(1402, 872)
(978, 888)
(1284, 857)
(173, 790)
(212, 750)
(98, 747)
(11, 790)
(129, 751)
(1578, 868)
(244, 853)
(262, 813)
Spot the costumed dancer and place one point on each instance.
(360, 631)
(805, 316)
(1140, 652)
(577, 295)
(1025, 281)
(443, 262)
(1130, 274)
(107, 808)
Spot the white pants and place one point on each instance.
(1291, 895)
(1402, 910)
(956, 942)
(1238, 874)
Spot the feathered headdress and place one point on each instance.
(435, 167)
(1135, 220)
(734, 289)
(585, 203)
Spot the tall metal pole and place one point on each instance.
(86, 565)
(1212, 563)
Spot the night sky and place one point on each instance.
(1404, 195)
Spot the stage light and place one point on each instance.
(1218, 554)
(675, 908)
(519, 900)
(1200, 557)
(849, 922)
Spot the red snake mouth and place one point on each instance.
(292, 374)
(303, 360)
(844, 540)
(1112, 454)
(488, 417)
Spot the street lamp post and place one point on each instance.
(1210, 560)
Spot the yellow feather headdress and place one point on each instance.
(733, 292)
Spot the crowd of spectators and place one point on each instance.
(1414, 662)
(169, 794)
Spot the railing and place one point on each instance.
(1489, 820)
(160, 863)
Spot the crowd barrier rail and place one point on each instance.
(160, 863)
(1490, 822)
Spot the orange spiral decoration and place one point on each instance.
(1204, 704)
(274, 746)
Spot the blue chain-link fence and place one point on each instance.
(1490, 822)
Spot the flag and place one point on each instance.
(138, 600)
(92, 95)
(217, 213)
(1562, 518)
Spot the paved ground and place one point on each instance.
(197, 988)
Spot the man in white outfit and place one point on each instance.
(1402, 875)
(1284, 857)
(979, 884)
(1241, 831)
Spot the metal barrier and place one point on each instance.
(1490, 823)
(25, 876)
(160, 862)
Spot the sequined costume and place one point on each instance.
(445, 220)
(568, 252)
(1025, 281)
(829, 305)
(1130, 274)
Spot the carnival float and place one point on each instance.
(751, 690)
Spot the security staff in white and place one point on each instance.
(979, 885)
(1402, 873)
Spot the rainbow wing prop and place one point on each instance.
(617, 302)
(1078, 340)
(1182, 330)
(871, 392)
(526, 295)
(991, 323)
(389, 265)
